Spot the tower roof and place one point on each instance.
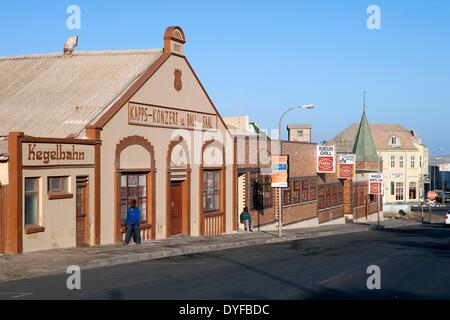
(364, 146)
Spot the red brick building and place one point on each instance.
(310, 200)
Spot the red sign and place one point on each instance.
(432, 195)
(326, 159)
(346, 167)
(346, 171)
(376, 184)
(375, 187)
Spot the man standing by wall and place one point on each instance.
(133, 224)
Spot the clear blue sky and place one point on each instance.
(260, 57)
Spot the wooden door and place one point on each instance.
(176, 224)
(82, 212)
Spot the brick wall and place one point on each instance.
(302, 166)
(331, 214)
(299, 213)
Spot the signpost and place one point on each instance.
(280, 179)
(326, 159)
(280, 171)
(346, 166)
(376, 184)
(432, 196)
(376, 188)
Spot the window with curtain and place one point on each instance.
(133, 187)
(32, 201)
(211, 191)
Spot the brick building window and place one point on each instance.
(330, 196)
(262, 192)
(300, 191)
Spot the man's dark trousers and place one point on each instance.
(135, 231)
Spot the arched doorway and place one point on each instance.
(178, 211)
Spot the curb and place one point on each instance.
(127, 258)
(161, 254)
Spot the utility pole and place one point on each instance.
(280, 190)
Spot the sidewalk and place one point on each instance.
(56, 261)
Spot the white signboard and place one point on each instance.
(326, 159)
(347, 166)
(376, 184)
(155, 116)
(445, 167)
(57, 154)
(397, 175)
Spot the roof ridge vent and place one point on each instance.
(70, 45)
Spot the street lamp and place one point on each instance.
(280, 201)
(379, 187)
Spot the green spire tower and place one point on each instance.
(364, 147)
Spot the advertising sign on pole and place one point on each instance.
(376, 184)
(444, 167)
(326, 159)
(347, 166)
(280, 168)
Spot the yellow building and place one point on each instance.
(404, 159)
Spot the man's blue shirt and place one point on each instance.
(133, 216)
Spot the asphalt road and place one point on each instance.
(414, 264)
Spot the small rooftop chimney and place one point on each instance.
(70, 45)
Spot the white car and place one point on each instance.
(447, 218)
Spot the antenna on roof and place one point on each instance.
(364, 101)
(70, 45)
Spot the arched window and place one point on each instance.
(135, 180)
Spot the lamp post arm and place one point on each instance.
(281, 123)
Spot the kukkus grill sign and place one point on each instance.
(326, 159)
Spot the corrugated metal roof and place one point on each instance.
(54, 95)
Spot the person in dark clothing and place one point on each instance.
(133, 224)
(246, 219)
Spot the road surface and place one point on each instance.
(414, 265)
